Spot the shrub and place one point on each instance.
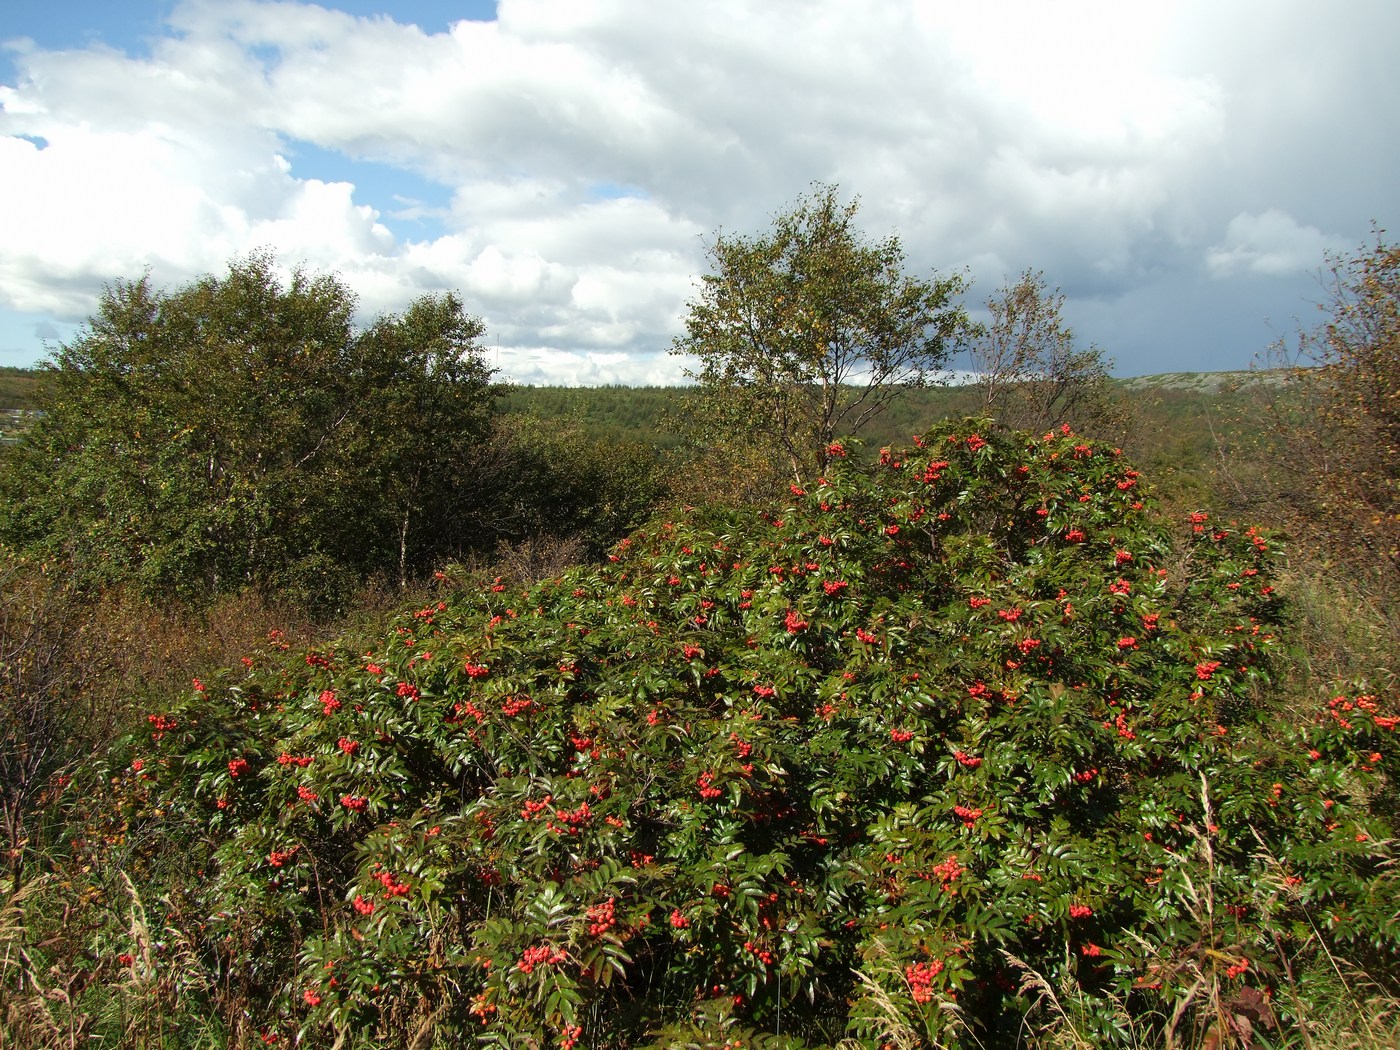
(1335, 425)
(850, 770)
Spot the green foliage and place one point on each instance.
(808, 331)
(627, 414)
(239, 432)
(424, 411)
(554, 478)
(1193, 433)
(816, 773)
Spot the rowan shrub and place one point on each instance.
(847, 770)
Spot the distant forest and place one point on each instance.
(1178, 422)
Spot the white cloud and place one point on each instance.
(1271, 244)
(518, 277)
(587, 148)
(549, 366)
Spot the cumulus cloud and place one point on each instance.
(1272, 244)
(549, 366)
(586, 150)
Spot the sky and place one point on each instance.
(1179, 170)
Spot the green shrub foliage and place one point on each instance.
(240, 432)
(848, 771)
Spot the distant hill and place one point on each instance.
(1206, 382)
(19, 387)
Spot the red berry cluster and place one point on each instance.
(601, 918)
(967, 814)
(920, 976)
(392, 886)
(516, 705)
(539, 955)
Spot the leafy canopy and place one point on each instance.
(824, 772)
(807, 331)
(240, 432)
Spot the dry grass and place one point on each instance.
(1341, 632)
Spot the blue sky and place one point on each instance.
(1179, 170)
(133, 26)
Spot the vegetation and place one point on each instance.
(807, 332)
(1185, 429)
(1339, 413)
(240, 433)
(18, 388)
(974, 742)
(1030, 374)
(852, 770)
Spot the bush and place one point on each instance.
(878, 766)
(1335, 426)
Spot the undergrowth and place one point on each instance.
(961, 750)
